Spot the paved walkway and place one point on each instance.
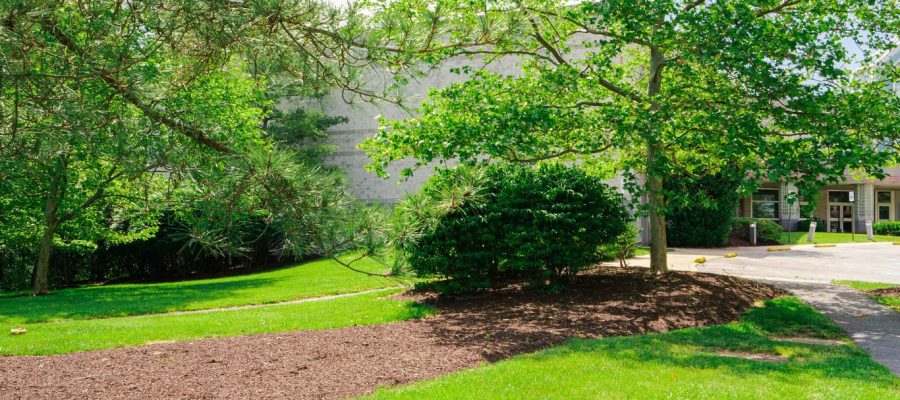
(807, 272)
(870, 325)
(871, 262)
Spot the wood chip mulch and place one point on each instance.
(888, 291)
(332, 364)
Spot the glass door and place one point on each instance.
(840, 211)
(840, 218)
(884, 206)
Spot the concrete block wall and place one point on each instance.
(864, 205)
(363, 122)
(789, 213)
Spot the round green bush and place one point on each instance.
(767, 231)
(478, 225)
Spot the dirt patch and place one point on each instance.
(468, 331)
(753, 356)
(893, 291)
(803, 340)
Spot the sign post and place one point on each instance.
(791, 198)
(853, 219)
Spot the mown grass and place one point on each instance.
(92, 334)
(682, 364)
(834, 237)
(309, 279)
(891, 301)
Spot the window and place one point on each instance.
(884, 207)
(765, 204)
(838, 197)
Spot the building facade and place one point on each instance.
(846, 207)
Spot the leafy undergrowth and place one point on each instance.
(92, 334)
(683, 364)
(310, 279)
(884, 293)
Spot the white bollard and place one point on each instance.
(753, 233)
(812, 232)
(869, 234)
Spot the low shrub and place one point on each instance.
(477, 225)
(767, 231)
(447, 230)
(887, 228)
(622, 248)
(803, 225)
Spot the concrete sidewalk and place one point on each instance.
(870, 325)
(871, 262)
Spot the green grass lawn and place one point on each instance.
(645, 251)
(91, 334)
(641, 251)
(682, 364)
(309, 279)
(834, 237)
(890, 301)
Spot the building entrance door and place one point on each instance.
(840, 218)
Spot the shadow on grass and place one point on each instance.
(119, 300)
(698, 347)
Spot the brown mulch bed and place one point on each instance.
(338, 363)
(888, 291)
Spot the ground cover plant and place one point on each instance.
(887, 294)
(832, 237)
(697, 363)
(309, 279)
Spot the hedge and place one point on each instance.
(887, 228)
(767, 231)
(704, 213)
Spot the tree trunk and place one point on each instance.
(654, 181)
(43, 263)
(658, 257)
(51, 223)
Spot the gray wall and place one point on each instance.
(363, 123)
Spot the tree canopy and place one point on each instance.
(657, 88)
(112, 111)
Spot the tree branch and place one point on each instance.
(122, 89)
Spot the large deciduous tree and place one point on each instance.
(656, 88)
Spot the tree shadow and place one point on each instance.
(700, 348)
(120, 300)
